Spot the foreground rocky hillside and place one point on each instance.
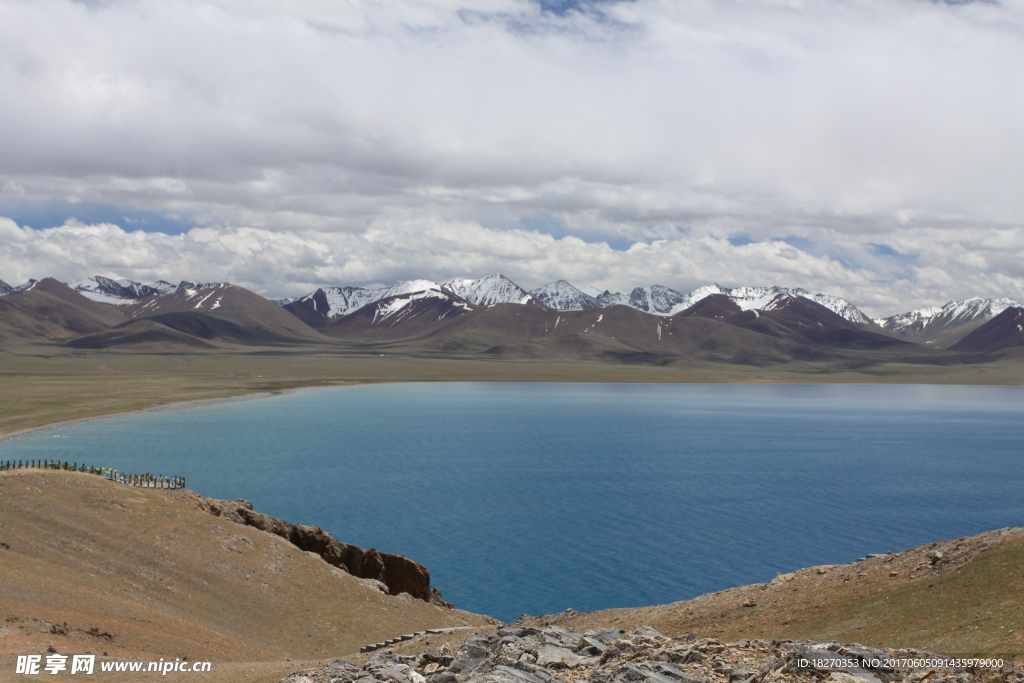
(88, 565)
(524, 654)
(958, 596)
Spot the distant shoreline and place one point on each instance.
(194, 403)
(176, 405)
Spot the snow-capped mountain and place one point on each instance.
(4, 288)
(562, 296)
(164, 287)
(395, 309)
(493, 289)
(932, 320)
(331, 302)
(661, 300)
(756, 298)
(656, 299)
(607, 298)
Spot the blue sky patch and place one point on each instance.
(549, 224)
(49, 213)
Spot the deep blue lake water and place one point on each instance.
(538, 497)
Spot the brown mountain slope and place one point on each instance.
(957, 597)
(942, 336)
(88, 565)
(1006, 330)
(263, 319)
(617, 333)
(796, 319)
(181, 331)
(147, 334)
(52, 310)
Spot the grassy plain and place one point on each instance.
(45, 383)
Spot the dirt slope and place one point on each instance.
(87, 565)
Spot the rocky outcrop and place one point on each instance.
(517, 654)
(397, 573)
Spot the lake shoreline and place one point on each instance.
(175, 405)
(196, 403)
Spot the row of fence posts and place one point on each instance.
(147, 481)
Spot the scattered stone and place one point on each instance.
(554, 654)
(551, 657)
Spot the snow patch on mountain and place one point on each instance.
(4, 288)
(191, 287)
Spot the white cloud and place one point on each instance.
(816, 128)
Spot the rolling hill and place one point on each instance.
(49, 309)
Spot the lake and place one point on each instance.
(539, 497)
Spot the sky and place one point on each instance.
(872, 149)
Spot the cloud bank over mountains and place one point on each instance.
(291, 263)
(871, 147)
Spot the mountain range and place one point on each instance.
(943, 326)
(494, 315)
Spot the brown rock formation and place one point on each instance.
(399, 574)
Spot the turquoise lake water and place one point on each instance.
(538, 497)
